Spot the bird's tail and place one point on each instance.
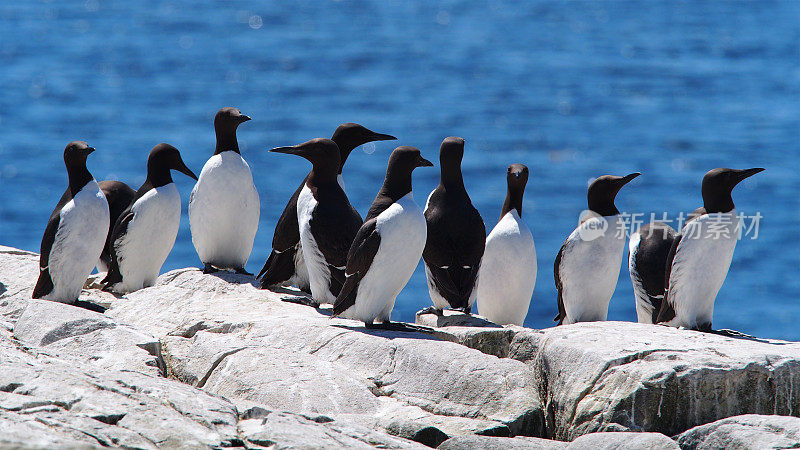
(278, 268)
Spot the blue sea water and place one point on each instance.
(573, 89)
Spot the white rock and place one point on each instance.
(756, 432)
(106, 407)
(623, 376)
(500, 443)
(450, 318)
(18, 431)
(86, 337)
(282, 430)
(19, 270)
(623, 441)
(94, 378)
(73, 378)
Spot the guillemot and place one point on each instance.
(587, 266)
(508, 269)
(387, 248)
(224, 207)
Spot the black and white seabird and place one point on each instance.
(327, 223)
(119, 196)
(587, 266)
(224, 207)
(508, 269)
(145, 233)
(285, 264)
(456, 236)
(388, 246)
(648, 250)
(75, 233)
(701, 254)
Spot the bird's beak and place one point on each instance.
(243, 118)
(628, 178)
(746, 173)
(90, 150)
(381, 137)
(424, 163)
(185, 170)
(291, 150)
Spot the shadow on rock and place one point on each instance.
(389, 334)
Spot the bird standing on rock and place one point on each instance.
(508, 269)
(75, 233)
(648, 250)
(119, 196)
(145, 233)
(224, 207)
(456, 236)
(326, 221)
(701, 254)
(285, 265)
(387, 248)
(587, 266)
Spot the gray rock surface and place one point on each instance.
(593, 441)
(283, 430)
(73, 378)
(756, 432)
(617, 376)
(623, 441)
(209, 360)
(237, 341)
(220, 334)
(87, 338)
(451, 318)
(500, 443)
(19, 271)
(74, 403)
(621, 376)
(470, 330)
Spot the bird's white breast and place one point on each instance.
(508, 272)
(590, 266)
(318, 272)
(700, 266)
(79, 240)
(224, 210)
(149, 237)
(403, 231)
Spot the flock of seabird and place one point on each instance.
(323, 247)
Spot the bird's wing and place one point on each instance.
(287, 232)
(278, 268)
(562, 312)
(334, 229)
(114, 276)
(667, 311)
(453, 259)
(359, 259)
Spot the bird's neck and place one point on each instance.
(452, 179)
(158, 176)
(602, 204)
(396, 186)
(323, 175)
(78, 177)
(343, 154)
(718, 204)
(226, 141)
(513, 201)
